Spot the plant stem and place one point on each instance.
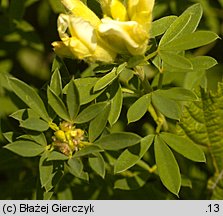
(160, 81)
(159, 118)
(145, 166)
(151, 55)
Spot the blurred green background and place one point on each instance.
(27, 29)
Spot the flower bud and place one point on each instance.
(60, 135)
(65, 126)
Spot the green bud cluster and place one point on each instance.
(68, 139)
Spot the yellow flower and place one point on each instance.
(124, 29)
(80, 40)
(141, 12)
(79, 9)
(60, 135)
(114, 9)
(128, 32)
(125, 37)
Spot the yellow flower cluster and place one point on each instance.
(68, 139)
(124, 29)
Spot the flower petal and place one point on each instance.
(61, 49)
(75, 27)
(104, 53)
(118, 11)
(141, 11)
(79, 9)
(84, 31)
(78, 48)
(124, 36)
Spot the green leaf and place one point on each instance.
(103, 68)
(57, 105)
(35, 124)
(98, 124)
(190, 41)
(57, 6)
(168, 169)
(139, 108)
(116, 107)
(215, 186)
(183, 146)
(85, 88)
(97, 163)
(199, 63)
(161, 25)
(132, 182)
(73, 101)
(91, 149)
(75, 166)
(166, 106)
(11, 136)
(121, 68)
(134, 61)
(54, 155)
(90, 112)
(58, 64)
(178, 94)
(30, 97)
(46, 172)
(25, 148)
(205, 118)
(56, 83)
(195, 79)
(39, 138)
(84, 176)
(132, 155)
(65, 194)
(23, 114)
(186, 182)
(203, 62)
(175, 60)
(106, 80)
(50, 174)
(184, 24)
(116, 141)
(126, 76)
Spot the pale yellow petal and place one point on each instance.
(70, 26)
(61, 49)
(78, 48)
(114, 9)
(124, 37)
(79, 9)
(84, 31)
(103, 54)
(105, 6)
(63, 26)
(141, 11)
(137, 6)
(118, 11)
